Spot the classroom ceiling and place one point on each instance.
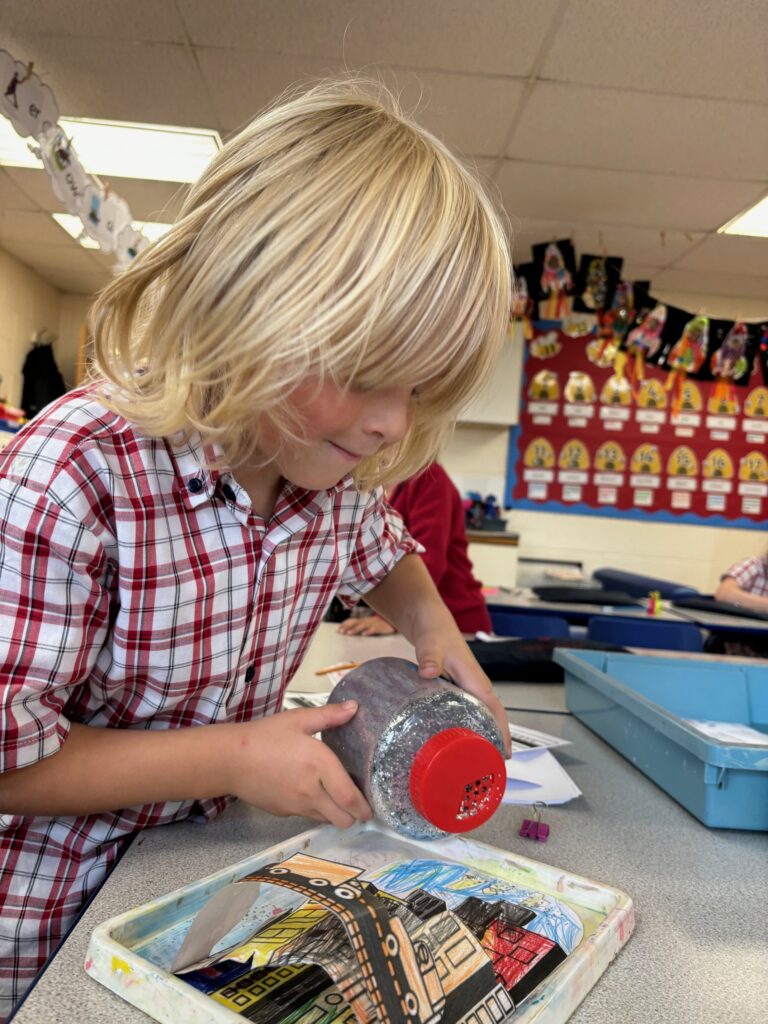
(634, 128)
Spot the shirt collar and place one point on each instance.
(197, 481)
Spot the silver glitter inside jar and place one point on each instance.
(398, 712)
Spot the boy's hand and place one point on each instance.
(438, 654)
(279, 765)
(370, 625)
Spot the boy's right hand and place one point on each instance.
(280, 766)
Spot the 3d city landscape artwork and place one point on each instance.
(420, 941)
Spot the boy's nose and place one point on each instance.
(388, 415)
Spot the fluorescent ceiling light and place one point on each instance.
(152, 152)
(152, 229)
(753, 221)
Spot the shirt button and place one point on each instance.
(250, 672)
(195, 485)
(229, 494)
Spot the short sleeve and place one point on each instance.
(54, 615)
(381, 542)
(746, 573)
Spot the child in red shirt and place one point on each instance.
(434, 515)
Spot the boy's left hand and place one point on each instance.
(438, 654)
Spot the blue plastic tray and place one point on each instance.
(638, 703)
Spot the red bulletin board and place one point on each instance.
(590, 445)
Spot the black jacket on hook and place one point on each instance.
(42, 380)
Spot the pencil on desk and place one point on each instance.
(341, 667)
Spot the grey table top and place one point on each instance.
(700, 948)
(724, 623)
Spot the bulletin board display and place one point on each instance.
(638, 445)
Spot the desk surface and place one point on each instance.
(700, 945)
(724, 623)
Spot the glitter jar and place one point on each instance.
(428, 756)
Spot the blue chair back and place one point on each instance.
(637, 585)
(637, 632)
(525, 624)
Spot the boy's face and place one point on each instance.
(341, 429)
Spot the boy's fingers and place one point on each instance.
(327, 717)
(430, 663)
(343, 792)
(328, 810)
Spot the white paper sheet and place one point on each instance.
(730, 732)
(538, 776)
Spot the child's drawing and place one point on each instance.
(422, 941)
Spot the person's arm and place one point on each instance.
(274, 763)
(408, 598)
(732, 593)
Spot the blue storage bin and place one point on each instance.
(638, 703)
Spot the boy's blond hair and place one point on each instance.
(331, 238)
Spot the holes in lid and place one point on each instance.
(476, 796)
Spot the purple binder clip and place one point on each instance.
(535, 828)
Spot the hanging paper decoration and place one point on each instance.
(522, 307)
(622, 309)
(69, 179)
(24, 99)
(31, 108)
(595, 291)
(728, 363)
(602, 351)
(687, 356)
(644, 341)
(556, 283)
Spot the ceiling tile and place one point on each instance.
(40, 256)
(242, 83)
(12, 197)
(447, 35)
(472, 114)
(714, 283)
(36, 186)
(543, 191)
(728, 253)
(29, 226)
(708, 48)
(74, 282)
(150, 200)
(446, 104)
(124, 81)
(612, 128)
(149, 20)
(646, 246)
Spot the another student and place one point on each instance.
(336, 287)
(433, 513)
(746, 584)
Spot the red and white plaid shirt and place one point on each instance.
(751, 574)
(139, 590)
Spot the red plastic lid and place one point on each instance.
(457, 780)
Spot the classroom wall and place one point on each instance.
(27, 305)
(72, 314)
(476, 458)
